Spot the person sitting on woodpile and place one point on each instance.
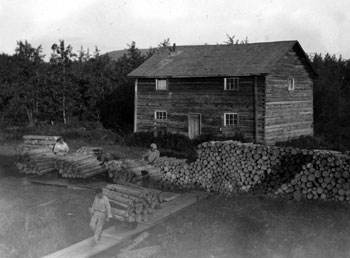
(101, 212)
(152, 155)
(61, 147)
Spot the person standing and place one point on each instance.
(60, 148)
(101, 212)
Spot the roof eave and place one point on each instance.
(195, 76)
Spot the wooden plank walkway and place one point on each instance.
(64, 182)
(111, 237)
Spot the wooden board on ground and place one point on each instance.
(63, 182)
(169, 196)
(111, 237)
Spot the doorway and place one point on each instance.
(194, 125)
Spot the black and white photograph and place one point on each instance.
(174, 129)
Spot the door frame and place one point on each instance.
(200, 122)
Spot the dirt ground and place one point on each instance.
(38, 219)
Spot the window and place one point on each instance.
(161, 84)
(231, 83)
(290, 83)
(230, 119)
(160, 116)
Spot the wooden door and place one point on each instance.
(194, 125)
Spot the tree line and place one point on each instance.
(332, 98)
(75, 87)
(72, 87)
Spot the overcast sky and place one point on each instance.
(319, 25)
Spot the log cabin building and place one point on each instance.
(261, 90)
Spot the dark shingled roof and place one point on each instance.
(217, 60)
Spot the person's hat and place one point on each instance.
(59, 138)
(98, 190)
(153, 146)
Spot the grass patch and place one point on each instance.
(244, 226)
(30, 230)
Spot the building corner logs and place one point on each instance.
(255, 86)
(135, 107)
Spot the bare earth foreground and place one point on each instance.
(36, 220)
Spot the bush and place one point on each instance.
(209, 137)
(175, 145)
(175, 142)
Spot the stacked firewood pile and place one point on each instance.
(117, 170)
(32, 142)
(132, 203)
(127, 169)
(36, 161)
(326, 176)
(176, 173)
(228, 167)
(257, 169)
(79, 166)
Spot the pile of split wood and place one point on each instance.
(233, 166)
(127, 169)
(228, 167)
(176, 173)
(79, 166)
(117, 170)
(326, 176)
(36, 161)
(132, 203)
(32, 142)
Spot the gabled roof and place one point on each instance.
(217, 60)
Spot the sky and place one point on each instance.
(321, 26)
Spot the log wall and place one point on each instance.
(230, 167)
(289, 114)
(204, 96)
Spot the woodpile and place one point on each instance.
(228, 167)
(37, 161)
(126, 170)
(326, 176)
(175, 174)
(79, 166)
(132, 203)
(32, 142)
(117, 170)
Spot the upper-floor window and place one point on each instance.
(161, 84)
(290, 83)
(231, 83)
(230, 119)
(160, 115)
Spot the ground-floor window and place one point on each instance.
(160, 115)
(230, 119)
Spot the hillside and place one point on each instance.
(116, 54)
